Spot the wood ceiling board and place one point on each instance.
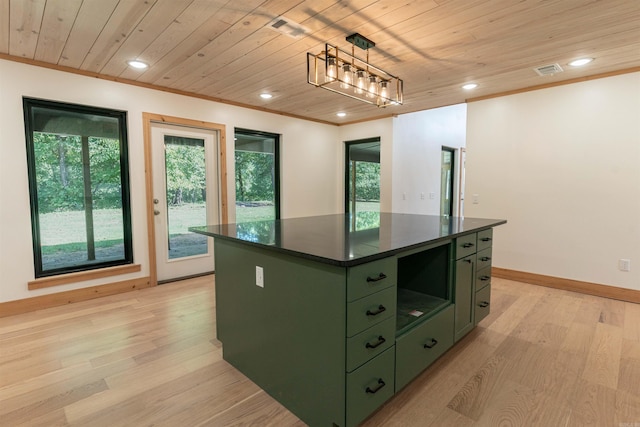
(55, 28)
(254, 46)
(24, 27)
(222, 50)
(120, 25)
(5, 26)
(89, 23)
(276, 55)
(154, 23)
(172, 64)
(193, 69)
(182, 27)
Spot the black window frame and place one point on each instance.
(347, 166)
(28, 105)
(276, 159)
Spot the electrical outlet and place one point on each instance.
(432, 195)
(259, 277)
(624, 264)
(476, 199)
(421, 196)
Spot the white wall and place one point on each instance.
(562, 165)
(383, 129)
(418, 139)
(311, 152)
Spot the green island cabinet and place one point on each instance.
(332, 315)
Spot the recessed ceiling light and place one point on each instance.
(137, 64)
(470, 86)
(580, 62)
(341, 114)
(266, 95)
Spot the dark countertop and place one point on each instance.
(346, 241)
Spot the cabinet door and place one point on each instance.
(464, 296)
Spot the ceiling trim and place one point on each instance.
(153, 87)
(554, 84)
(295, 116)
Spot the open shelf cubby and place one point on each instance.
(424, 286)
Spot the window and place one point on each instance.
(257, 176)
(79, 187)
(362, 176)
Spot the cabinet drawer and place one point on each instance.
(465, 245)
(371, 277)
(484, 259)
(369, 386)
(421, 346)
(483, 278)
(370, 343)
(370, 310)
(483, 303)
(485, 239)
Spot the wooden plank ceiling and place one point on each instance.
(223, 49)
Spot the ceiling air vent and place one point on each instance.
(548, 70)
(287, 27)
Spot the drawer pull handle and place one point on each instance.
(468, 261)
(484, 304)
(467, 245)
(485, 278)
(431, 344)
(378, 387)
(381, 276)
(485, 258)
(381, 341)
(486, 239)
(381, 308)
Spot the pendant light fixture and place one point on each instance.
(342, 72)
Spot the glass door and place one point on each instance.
(185, 194)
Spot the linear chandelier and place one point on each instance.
(342, 72)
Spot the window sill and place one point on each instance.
(82, 276)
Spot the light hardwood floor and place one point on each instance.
(543, 357)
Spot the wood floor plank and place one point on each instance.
(507, 322)
(258, 409)
(603, 362)
(52, 403)
(629, 375)
(594, 405)
(543, 357)
(627, 409)
(472, 398)
(632, 321)
(631, 349)
(509, 405)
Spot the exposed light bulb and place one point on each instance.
(372, 90)
(384, 89)
(360, 81)
(347, 77)
(332, 70)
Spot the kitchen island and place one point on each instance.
(332, 315)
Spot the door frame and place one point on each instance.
(147, 120)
